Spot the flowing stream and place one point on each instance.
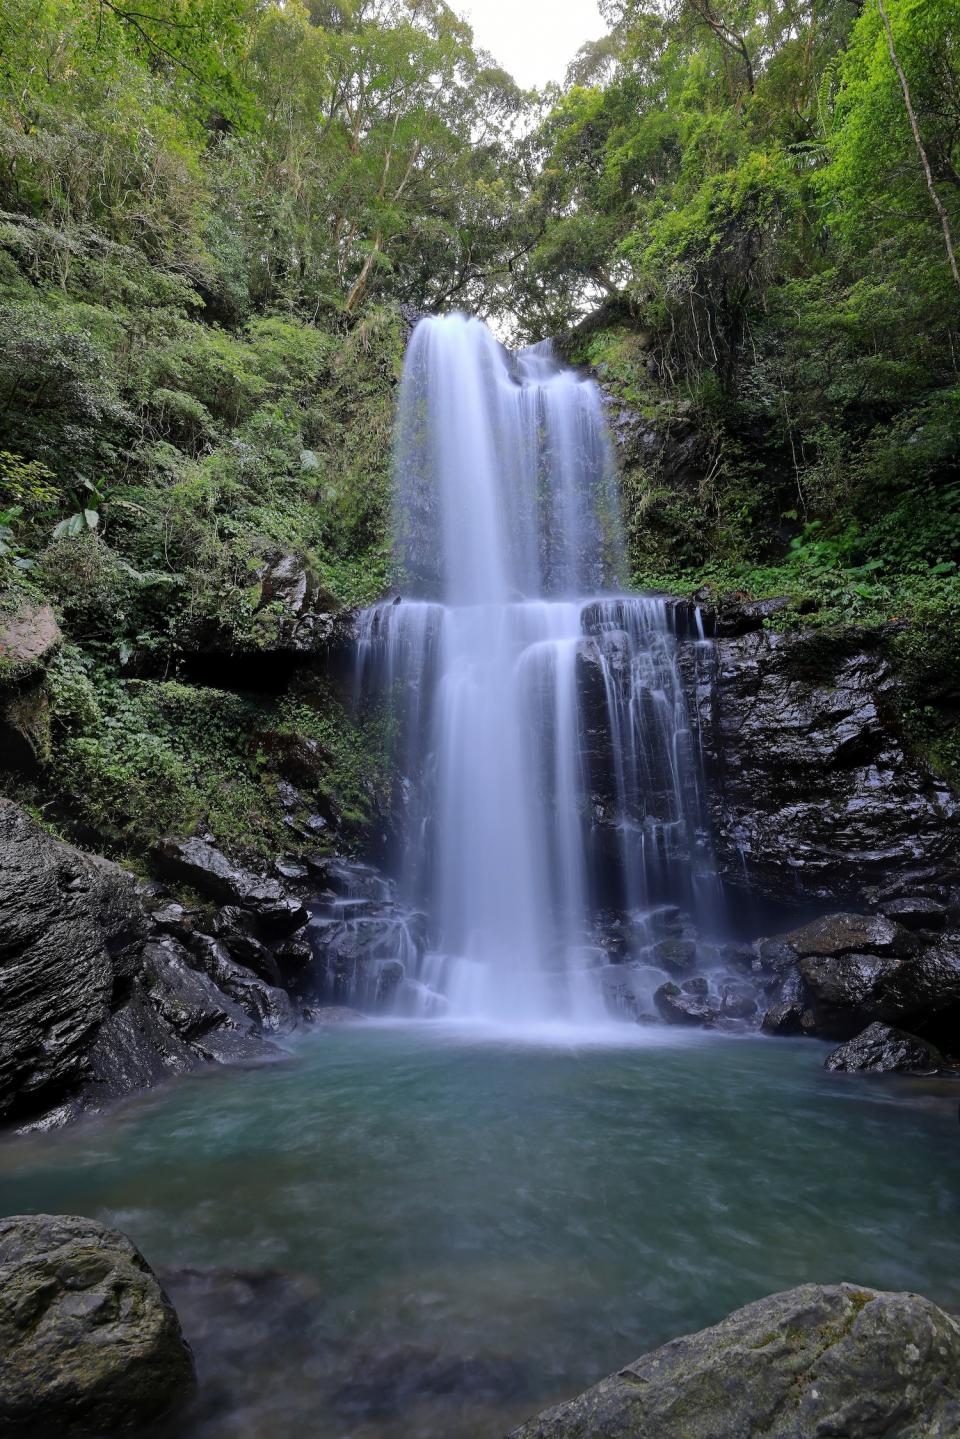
(543, 729)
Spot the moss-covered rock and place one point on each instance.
(820, 1359)
(90, 1341)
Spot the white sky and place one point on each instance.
(534, 40)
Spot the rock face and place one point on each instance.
(883, 1050)
(199, 863)
(812, 791)
(90, 1341)
(57, 975)
(816, 1360)
(98, 1000)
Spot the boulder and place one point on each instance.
(836, 934)
(206, 868)
(90, 1341)
(783, 1018)
(817, 1360)
(883, 1050)
(844, 993)
(679, 1007)
(29, 638)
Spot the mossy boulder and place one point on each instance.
(819, 1359)
(90, 1341)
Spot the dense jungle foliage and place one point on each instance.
(214, 216)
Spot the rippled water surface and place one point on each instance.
(416, 1231)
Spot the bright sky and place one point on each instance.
(534, 40)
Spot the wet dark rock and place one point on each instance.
(291, 869)
(174, 919)
(234, 927)
(844, 993)
(883, 1050)
(58, 973)
(837, 934)
(134, 1050)
(270, 1007)
(696, 986)
(676, 1007)
(206, 868)
(787, 709)
(293, 956)
(817, 1360)
(740, 617)
(783, 1018)
(737, 1001)
(916, 912)
(189, 1002)
(90, 1342)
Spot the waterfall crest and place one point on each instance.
(551, 770)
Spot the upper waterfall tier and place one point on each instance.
(504, 474)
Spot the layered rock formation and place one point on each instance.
(101, 998)
(812, 789)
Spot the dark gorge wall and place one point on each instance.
(814, 792)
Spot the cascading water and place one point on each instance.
(551, 770)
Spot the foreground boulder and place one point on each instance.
(90, 1341)
(882, 1050)
(817, 1360)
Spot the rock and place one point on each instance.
(916, 912)
(29, 638)
(783, 1018)
(852, 933)
(741, 617)
(817, 1360)
(89, 1339)
(696, 986)
(198, 863)
(886, 1051)
(844, 993)
(134, 1050)
(812, 788)
(234, 928)
(676, 1007)
(736, 1002)
(56, 972)
(269, 1006)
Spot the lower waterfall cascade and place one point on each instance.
(552, 777)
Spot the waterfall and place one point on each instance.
(551, 770)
